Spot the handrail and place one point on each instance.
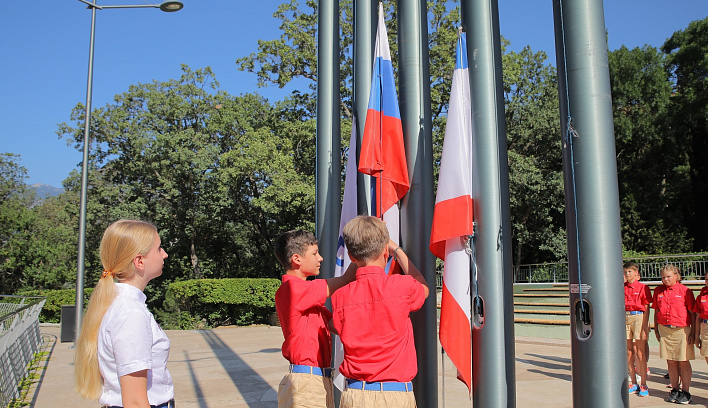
(20, 339)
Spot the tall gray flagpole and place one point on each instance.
(599, 363)
(493, 359)
(328, 172)
(417, 211)
(365, 20)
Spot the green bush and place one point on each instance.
(205, 303)
(51, 312)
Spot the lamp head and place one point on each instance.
(171, 5)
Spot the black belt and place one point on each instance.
(168, 404)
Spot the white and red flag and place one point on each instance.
(382, 151)
(452, 220)
(349, 211)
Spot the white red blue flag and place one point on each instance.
(382, 152)
(349, 211)
(452, 220)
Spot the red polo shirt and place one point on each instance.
(636, 296)
(303, 318)
(372, 316)
(673, 305)
(701, 305)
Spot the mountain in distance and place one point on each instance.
(44, 190)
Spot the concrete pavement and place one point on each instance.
(241, 367)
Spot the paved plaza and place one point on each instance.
(241, 367)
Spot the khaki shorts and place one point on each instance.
(634, 326)
(352, 398)
(673, 344)
(704, 339)
(305, 390)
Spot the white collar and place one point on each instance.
(132, 291)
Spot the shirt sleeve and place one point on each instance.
(417, 294)
(647, 296)
(309, 294)
(654, 303)
(690, 299)
(131, 340)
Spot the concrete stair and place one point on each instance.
(542, 310)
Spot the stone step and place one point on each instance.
(540, 304)
(546, 289)
(526, 320)
(534, 295)
(543, 312)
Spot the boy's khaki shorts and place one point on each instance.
(305, 390)
(352, 398)
(634, 326)
(704, 339)
(673, 344)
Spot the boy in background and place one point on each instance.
(372, 317)
(637, 298)
(304, 319)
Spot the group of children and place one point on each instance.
(370, 313)
(679, 323)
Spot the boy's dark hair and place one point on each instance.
(631, 265)
(292, 242)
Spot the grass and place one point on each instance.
(34, 374)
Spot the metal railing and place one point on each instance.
(692, 266)
(20, 339)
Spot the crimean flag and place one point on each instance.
(452, 220)
(349, 211)
(382, 152)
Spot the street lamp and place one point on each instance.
(166, 6)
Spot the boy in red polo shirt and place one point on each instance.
(372, 317)
(304, 320)
(637, 298)
(701, 325)
(673, 318)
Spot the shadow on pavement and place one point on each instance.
(249, 383)
(197, 388)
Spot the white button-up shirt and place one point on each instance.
(130, 340)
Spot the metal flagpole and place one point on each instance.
(417, 211)
(328, 180)
(365, 18)
(598, 345)
(493, 356)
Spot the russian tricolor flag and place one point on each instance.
(452, 220)
(382, 153)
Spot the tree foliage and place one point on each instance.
(687, 57)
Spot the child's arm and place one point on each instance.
(644, 335)
(693, 326)
(335, 283)
(406, 265)
(697, 331)
(656, 325)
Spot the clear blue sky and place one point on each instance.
(44, 54)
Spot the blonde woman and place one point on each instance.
(121, 353)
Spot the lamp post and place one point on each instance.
(166, 6)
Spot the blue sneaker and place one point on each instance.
(643, 391)
(633, 388)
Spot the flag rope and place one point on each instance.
(570, 134)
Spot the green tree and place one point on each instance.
(650, 165)
(687, 57)
(220, 176)
(535, 168)
(15, 216)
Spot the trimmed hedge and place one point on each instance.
(51, 312)
(204, 303)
